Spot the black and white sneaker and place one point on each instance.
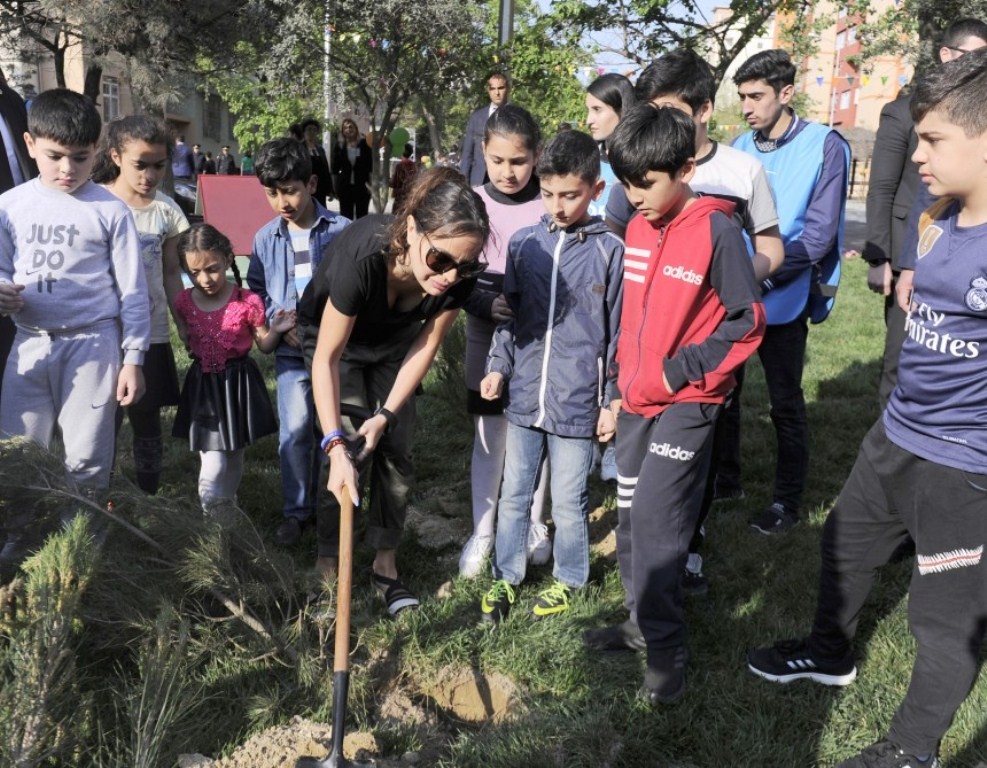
(790, 660)
(884, 754)
(774, 520)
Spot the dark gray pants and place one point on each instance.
(892, 494)
(662, 464)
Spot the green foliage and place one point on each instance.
(265, 103)
(644, 29)
(39, 658)
(543, 64)
(911, 27)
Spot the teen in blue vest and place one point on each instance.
(808, 167)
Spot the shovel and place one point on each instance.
(341, 653)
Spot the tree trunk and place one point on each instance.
(94, 75)
(59, 57)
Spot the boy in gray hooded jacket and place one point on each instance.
(563, 284)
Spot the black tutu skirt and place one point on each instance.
(224, 411)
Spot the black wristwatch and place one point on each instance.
(389, 417)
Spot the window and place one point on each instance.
(841, 39)
(851, 35)
(213, 118)
(111, 99)
(844, 99)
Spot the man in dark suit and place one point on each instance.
(471, 163)
(892, 192)
(16, 167)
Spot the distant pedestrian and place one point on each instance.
(403, 176)
(471, 164)
(352, 162)
(181, 160)
(198, 159)
(209, 166)
(226, 162)
(312, 135)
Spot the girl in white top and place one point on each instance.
(132, 163)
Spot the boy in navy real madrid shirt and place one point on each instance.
(922, 469)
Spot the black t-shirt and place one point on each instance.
(353, 275)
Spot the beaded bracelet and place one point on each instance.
(338, 434)
(336, 441)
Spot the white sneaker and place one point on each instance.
(539, 544)
(475, 554)
(608, 465)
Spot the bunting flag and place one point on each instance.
(850, 79)
(819, 80)
(865, 80)
(902, 79)
(884, 79)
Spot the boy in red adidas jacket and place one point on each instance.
(692, 314)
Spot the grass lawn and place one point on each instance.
(569, 707)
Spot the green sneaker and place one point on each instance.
(552, 601)
(496, 604)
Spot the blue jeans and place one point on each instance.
(297, 443)
(571, 459)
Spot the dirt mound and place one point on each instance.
(460, 695)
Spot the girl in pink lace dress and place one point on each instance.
(224, 406)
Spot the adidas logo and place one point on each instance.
(683, 274)
(800, 664)
(666, 450)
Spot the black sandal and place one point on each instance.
(395, 594)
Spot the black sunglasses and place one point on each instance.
(441, 262)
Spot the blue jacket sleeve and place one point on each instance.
(615, 299)
(823, 215)
(500, 358)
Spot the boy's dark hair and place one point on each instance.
(65, 117)
(311, 121)
(651, 138)
(511, 120)
(680, 73)
(570, 152)
(961, 29)
(774, 67)
(614, 90)
(957, 90)
(282, 160)
(120, 133)
(408, 151)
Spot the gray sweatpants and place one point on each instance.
(67, 379)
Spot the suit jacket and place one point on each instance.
(893, 186)
(15, 114)
(352, 178)
(471, 163)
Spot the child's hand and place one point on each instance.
(903, 289)
(11, 299)
(665, 384)
(290, 337)
(130, 384)
(615, 408)
(491, 386)
(284, 320)
(606, 425)
(500, 310)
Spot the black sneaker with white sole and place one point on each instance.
(884, 754)
(791, 660)
(774, 520)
